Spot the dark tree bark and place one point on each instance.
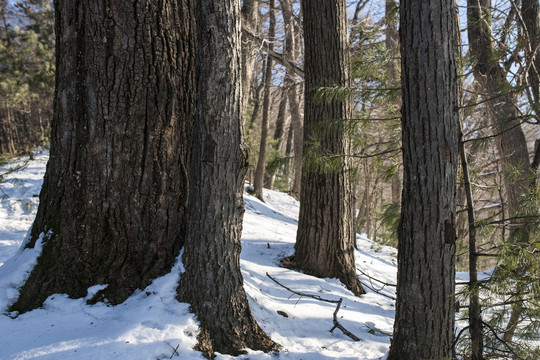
(261, 161)
(113, 202)
(424, 325)
(212, 282)
(325, 238)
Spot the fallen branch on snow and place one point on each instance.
(317, 297)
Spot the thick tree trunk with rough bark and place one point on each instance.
(424, 326)
(325, 238)
(212, 282)
(113, 202)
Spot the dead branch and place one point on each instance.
(317, 297)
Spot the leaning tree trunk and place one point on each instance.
(325, 238)
(212, 282)
(424, 325)
(115, 191)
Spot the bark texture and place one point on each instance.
(325, 239)
(212, 282)
(113, 202)
(424, 325)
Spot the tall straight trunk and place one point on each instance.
(505, 117)
(325, 238)
(529, 13)
(250, 20)
(424, 325)
(392, 76)
(279, 135)
(475, 311)
(291, 52)
(260, 170)
(113, 202)
(212, 282)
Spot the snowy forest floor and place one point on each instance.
(151, 324)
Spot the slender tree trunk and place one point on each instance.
(113, 202)
(212, 282)
(529, 13)
(475, 311)
(291, 53)
(392, 77)
(250, 19)
(325, 239)
(424, 326)
(261, 162)
(278, 135)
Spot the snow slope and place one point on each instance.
(153, 325)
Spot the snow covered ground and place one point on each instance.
(153, 325)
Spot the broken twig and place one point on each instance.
(317, 297)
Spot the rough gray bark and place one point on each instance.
(424, 325)
(114, 196)
(212, 282)
(325, 238)
(260, 170)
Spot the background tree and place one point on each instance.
(114, 197)
(325, 239)
(212, 282)
(424, 325)
(26, 74)
(258, 181)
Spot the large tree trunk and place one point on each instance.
(424, 326)
(113, 202)
(260, 170)
(212, 282)
(325, 238)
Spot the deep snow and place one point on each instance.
(151, 324)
